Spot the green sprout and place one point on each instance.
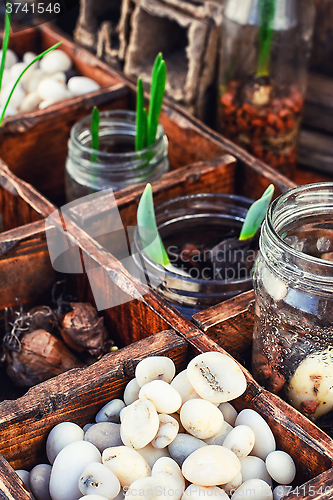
(5, 46)
(256, 214)
(94, 132)
(267, 13)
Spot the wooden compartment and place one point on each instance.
(78, 394)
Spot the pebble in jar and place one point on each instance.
(293, 281)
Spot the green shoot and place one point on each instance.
(19, 78)
(147, 227)
(147, 126)
(5, 45)
(267, 13)
(94, 132)
(256, 214)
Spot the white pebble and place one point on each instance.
(229, 413)
(59, 76)
(255, 468)
(264, 437)
(16, 98)
(151, 454)
(201, 418)
(183, 445)
(240, 440)
(35, 77)
(164, 397)
(24, 475)
(110, 411)
(211, 465)
(57, 60)
(196, 492)
(177, 417)
(60, 436)
(17, 69)
(148, 488)
(169, 470)
(127, 464)
(10, 111)
(139, 424)
(168, 430)
(280, 491)
(155, 368)
(97, 479)
(80, 85)
(216, 377)
(52, 89)
(182, 385)
(253, 489)
(47, 103)
(67, 469)
(281, 467)
(221, 435)
(273, 285)
(39, 481)
(30, 102)
(131, 392)
(232, 486)
(28, 57)
(11, 58)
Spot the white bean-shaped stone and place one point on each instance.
(177, 417)
(16, 98)
(67, 469)
(281, 467)
(52, 89)
(80, 85)
(97, 479)
(127, 464)
(169, 470)
(164, 397)
(30, 102)
(183, 386)
(110, 411)
(28, 57)
(149, 488)
(151, 454)
(211, 465)
(196, 492)
(131, 392)
(183, 445)
(167, 431)
(34, 80)
(11, 58)
(229, 413)
(240, 440)
(221, 435)
(155, 368)
(253, 489)
(232, 486)
(39, 481)
(201, 418)
(57, 60)
(59, 76)
(139, 424)
(255, 468)
(216, 377)
(17, 69)
(60, 436)
(264, 437)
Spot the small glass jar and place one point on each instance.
(116, 165)
(201, 220)
(265, 46)
(293, 282)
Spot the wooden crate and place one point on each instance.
(78, 394)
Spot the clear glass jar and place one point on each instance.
(201, 220)
(262, 76)
(293, 282)
(116, 165)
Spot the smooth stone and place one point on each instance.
(232, 486)
(104, 435)
(30, 102)
(201, 418)
(17, 69)
(57, 60)
(183, 386)
(255, 468)
(28, 57)
(16, 98)
(216, 377)
(149, 488)
(97, 479)
(211, 465)
(281, 467)
(131, 391)
(24, 475)
(177, 417)
(47, 103)
(155, 368)
(196, 492)
(164, 397)
(183, 445)
(87, 426)
(34, 80)
(264, 437)
(67, 469)
(221, 435)
(59, 76)
(253, 489)
(229, 413)
(52, 89)
(80, 85)
(11, 58)
(280, 491)
(139, 424)
(60, 436)
(240, 440)
(151, 454)
(110, 412)
(167, 431)
(275, 287)
(10, 111)
(39, 481)
(169, 470)
(126, 463)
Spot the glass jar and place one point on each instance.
(293, 282)
(116, 165)
(262, 76)
(200, 221)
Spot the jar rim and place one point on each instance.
(112, 114)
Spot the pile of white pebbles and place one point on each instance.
(170, 438)
(43, 84)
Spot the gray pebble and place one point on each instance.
(39, 481)
(182, 446)
(104, 435)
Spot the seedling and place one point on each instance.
(94, 132)
(256, 214)
(267, 13)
